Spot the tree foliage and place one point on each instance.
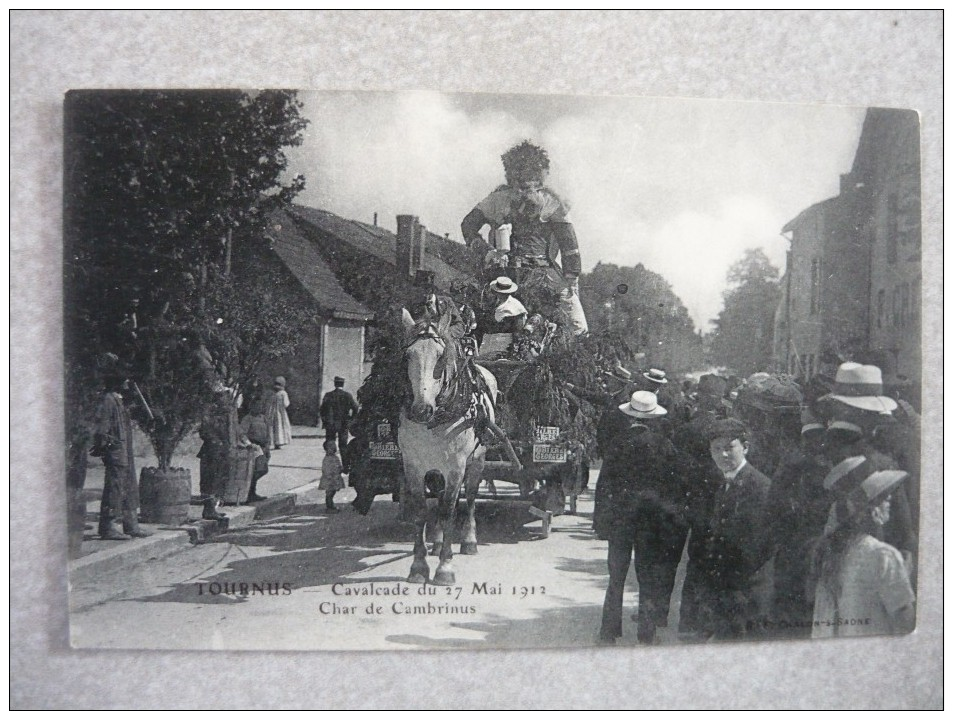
(639, 306)
(744, 330)
(162, 190)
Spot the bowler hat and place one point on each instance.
(712, 385)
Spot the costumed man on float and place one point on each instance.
(539, 231)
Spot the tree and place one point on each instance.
(162, 190)
(639, 306)
(744, 330)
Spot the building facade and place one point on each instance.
(851, 288)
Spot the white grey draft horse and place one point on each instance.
(452, 449)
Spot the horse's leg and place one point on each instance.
(417, 503)
(437, 546)
(437, 485)
(446, 513)
(468, 546)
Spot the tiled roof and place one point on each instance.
(312, 271)
(442, 256)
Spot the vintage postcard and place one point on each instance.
(404, 371)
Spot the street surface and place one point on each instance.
(310, 580)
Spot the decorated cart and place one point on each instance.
(544, 461)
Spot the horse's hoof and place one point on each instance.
(436, 549)
(468, 548)
(444, 576)
(419, 573)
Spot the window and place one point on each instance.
(895, 307)
(881, 297)
(815, 285)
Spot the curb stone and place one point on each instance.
(167, 540)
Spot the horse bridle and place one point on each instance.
(428, 330)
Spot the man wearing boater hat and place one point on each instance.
(639, 508)
(541, 229)
(863, 583)
(507, 313)
(669, 395)
(855, 409)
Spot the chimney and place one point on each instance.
(419, 246)
(375, 219)
(407, 230)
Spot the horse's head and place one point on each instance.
(425, 344)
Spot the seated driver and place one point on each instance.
(508, 313)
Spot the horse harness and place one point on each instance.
(462, 386)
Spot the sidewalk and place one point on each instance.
(293, 474)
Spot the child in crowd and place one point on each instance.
(254, 427)
(863, 585)
(331, 479)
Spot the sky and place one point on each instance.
(683, 186)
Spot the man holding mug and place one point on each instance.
(539, 230)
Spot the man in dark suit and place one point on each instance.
(735, 573)
(639, 510)
(337, 409)
(703, 479)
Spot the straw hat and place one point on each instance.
(503, 285)
(643, 405)
(861, 485)
(861, 386)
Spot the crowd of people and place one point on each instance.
(264, 427)
(796, 506)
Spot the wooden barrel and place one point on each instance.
(164, 495)
(241, 473)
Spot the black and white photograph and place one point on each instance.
(488, 371)
(476, 359)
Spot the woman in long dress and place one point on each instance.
(277, 414)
